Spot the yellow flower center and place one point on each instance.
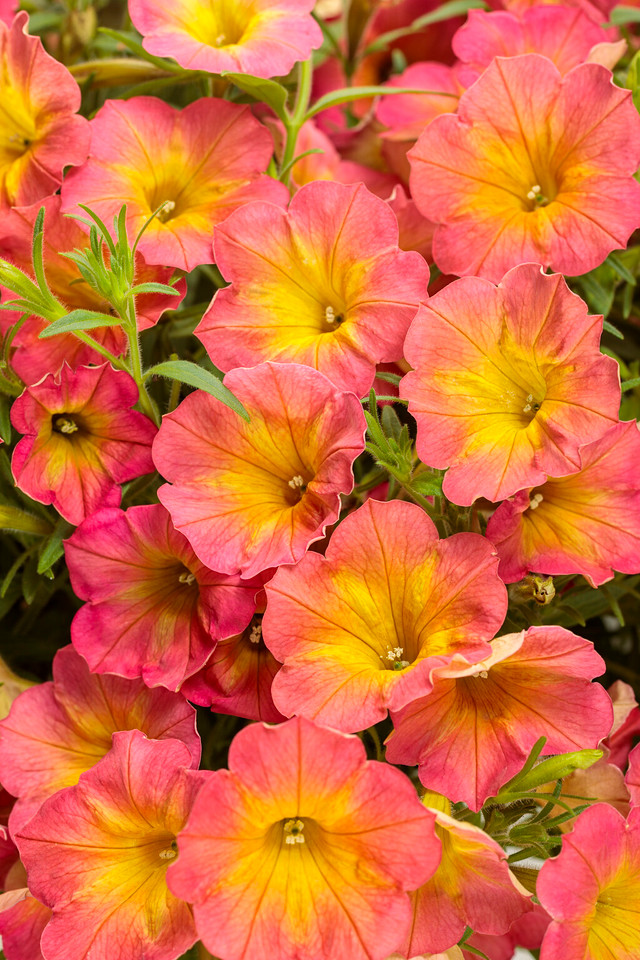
(17, 125)
(292, 832)
(615, 929)
(220, 24)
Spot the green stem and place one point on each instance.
(131, 329)
(294, 121)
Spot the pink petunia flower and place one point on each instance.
(586, 523)
(508, 382)
(303, 849)
(81, 439)
(204, 161)
(57, 731)
(314, 285)
(565, 35)
(360, 630)
(264, 38)
(154, 610)
(592, 889)
(534, 166)
(475, 729)
(40, 131)
(97, 854)
(250, 496)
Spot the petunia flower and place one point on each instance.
(203, 162)
(472, 887)
(314, 285)
(532, 167)
(303, 849)
(22, 921)
(586, 523)
(592, 889)
(40, 131)
(81, 439)
(57, 731)
(508, 382)
(249, 496)
(154, 610)
(626, 723)
(565, 35)
(238, 676)
(264, 38)
(34, 358)
(360, 630)
(475, 729)
(97, 854)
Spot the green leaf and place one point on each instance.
(338, 97)
(621, 269)
(53, 548)
(155, 288)
(609, 327)
(5, 422)
(195, 376)
(80, 320)
(388, 377)
(630, 384)
(429, 485)
(633, 80)
(622, 14)
(445, 11)
(267, 91)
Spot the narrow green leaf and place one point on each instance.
(195, 376)
(388, 377)
(301, 156)
(136, 47)
(79, 320)
(53, 547)
(348, 94)
(609, 327)
(630, 384)
(30, 581)
(155, 288)
(620, 15)
(621, 269)
(267, 91)
(104, 230)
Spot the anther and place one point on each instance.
(293, 831)
(533, 193)
(187, 578)
(167, 209)
(481, 674)
(535, 501)
(297, 482)
(330, 315)
(170, 853)
(220, 40)
(256, 633)
(65, 425)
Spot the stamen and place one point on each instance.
(481, 674)
(167, 210)
(187, 578)
(297, 482)
(395, 657)
(535, 501)
(220, 40)
(66, 425)
(170, 853)
(256, 633)
(330, 315)
(533, 193)
(293, 831)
